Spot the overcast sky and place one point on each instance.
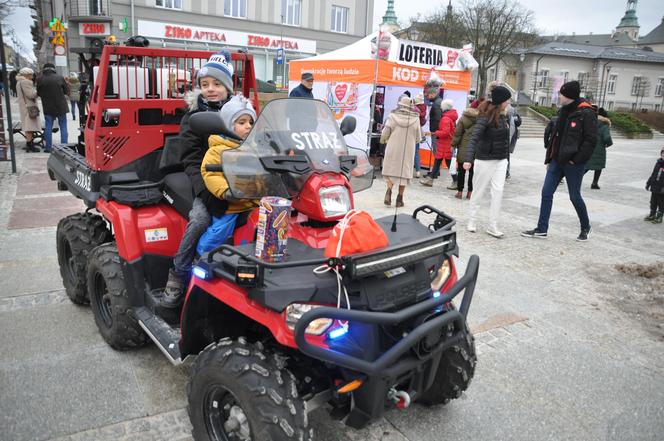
(558, 16)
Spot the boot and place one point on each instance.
(459, 195)
(30, 147)
(594, 186)
(174, 289)
(427, 182)
(388, 197)
(658, 218)
(651, 217)
(469, 195)
(400, 196)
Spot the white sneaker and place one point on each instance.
(471, 227)
(493, 231)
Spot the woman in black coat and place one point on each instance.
(655, 185)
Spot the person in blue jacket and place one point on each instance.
(304, 90)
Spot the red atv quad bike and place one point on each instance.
(270, 341)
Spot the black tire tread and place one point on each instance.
(455, 372)
(84, 232)
(125, 332)
(275, 411)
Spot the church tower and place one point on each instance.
(629, 24)
(390, 18)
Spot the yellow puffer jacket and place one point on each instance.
(216, 182)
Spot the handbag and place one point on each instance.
(33, 111)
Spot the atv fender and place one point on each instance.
(154, 229)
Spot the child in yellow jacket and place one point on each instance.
(238, 115)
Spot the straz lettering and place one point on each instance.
(315, 140)
(83, 180)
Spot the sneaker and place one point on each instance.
(493, 231)
(651, 217)
(534, 233)
(584, 234)
(658, 218)
(417, 174)
(428, 182)
(452, 186)
(471, 227)
(174, 289)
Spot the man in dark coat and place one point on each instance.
(572, 142)
(53, 90)
(304, 90)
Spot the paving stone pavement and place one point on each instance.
(556, 361)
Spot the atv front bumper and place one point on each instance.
(402, 363)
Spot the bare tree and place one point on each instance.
(494, 27)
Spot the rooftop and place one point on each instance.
(565, 49)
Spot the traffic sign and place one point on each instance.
(123, 25)
(56, 25)
(280, 55)
(59, 50)
(58, 39)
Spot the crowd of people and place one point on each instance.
(58, 94)
(482, 140)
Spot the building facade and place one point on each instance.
(612, 77)
(302, 28)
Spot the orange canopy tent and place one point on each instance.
(345, 78)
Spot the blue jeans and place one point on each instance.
(417, 156)
(74, 105)
(573, 174)
(48, 132)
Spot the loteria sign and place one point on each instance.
(172, 31)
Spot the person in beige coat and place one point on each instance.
(27, 96)
(401, 132)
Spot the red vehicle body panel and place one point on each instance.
(148, 80)
(134, 229)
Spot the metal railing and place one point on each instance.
(89, 8)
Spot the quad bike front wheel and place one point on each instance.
(236, 392)
(456, 369)
(109, 300)
(76, 236)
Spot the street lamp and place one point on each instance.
(522, 58)
(413, 33)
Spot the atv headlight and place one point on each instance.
(334, 200)
(295, 311)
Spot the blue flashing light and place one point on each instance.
(436, 294)
(201, 273)
(339, 332)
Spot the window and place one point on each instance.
(659, 86)
(583, 79)
(290, 12)
(170, 4)
(657, 107)
(636, 85)
(610, 105)
(565, 76)
(235, 8)
(542, 78)
(339, 19)
(611, 85)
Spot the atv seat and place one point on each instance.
(179, 192)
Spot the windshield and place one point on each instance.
(301, 129)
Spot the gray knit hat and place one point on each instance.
(233, 109)
(219, 66)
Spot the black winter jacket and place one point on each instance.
(575, 134)
(488, 141)
(301, 92)
(656, 181)
(53, 90)
(193, 148)
(435, 114)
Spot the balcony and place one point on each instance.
(89, 10)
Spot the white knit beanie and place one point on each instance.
(234, 108)
(446, 105)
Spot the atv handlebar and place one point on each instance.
(391, 356)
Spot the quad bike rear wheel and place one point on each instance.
(109, 300)
(455, 371)
(76, 236)
(236, 392)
